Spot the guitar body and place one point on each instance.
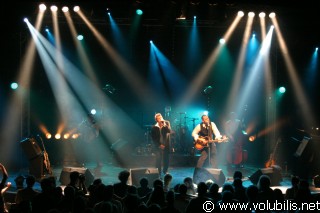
(203, 142)
(270, 162)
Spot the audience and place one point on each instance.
(160, 198)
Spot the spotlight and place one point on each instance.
(75, 136)
(80, 37)
(66, 136)
(151, 42)
(65, 9)
(240, 13)
(262, 15)
(47, 29)
(48, 135)
(14, 86)
(251, 14)
(194, 17)
(54, 8)
(222, 41)
(316, 49)
(57, 136)
(252, 138)
(272, 15)
(205, 113)
(76, 8)
(93, 111)
(42, 7)
(282, 90)
(139, 12)
(25, 20)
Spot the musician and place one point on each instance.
(90, 131)
(206, 129)
(233, 128)
(160, 134)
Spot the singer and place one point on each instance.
(160, 134)
(205, 130)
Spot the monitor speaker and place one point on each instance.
(273, 172)
(65, 175)
(204, 174)
(136, 174)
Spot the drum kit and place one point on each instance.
(180, 137)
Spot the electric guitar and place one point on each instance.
(202, 142)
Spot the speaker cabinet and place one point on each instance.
(274, 174)
(65, 175)
(31, 148)
(204, 174)
(136, 174)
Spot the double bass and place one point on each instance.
(235, 153)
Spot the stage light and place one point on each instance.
(14, 85)
(25, 20)
(54, 8)
(42, 7)
(252, 138)
(272, 15)
(75, 136)
(93, 111)
(251, 14)
(222, 41)
(65, 9)
(240, 13)
(262, 15)
(47, 29)
(139, 12)
(57, 136)
(194, 17)
(80, 37)
(48, 135)
(316, 49)
(66, 136)
(282, 90)
(205, 113)
(151, 42)
(76, 8)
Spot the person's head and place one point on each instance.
(144, 182)
(205, 119)
(19, 181)
(158, 117)
(232, 115)
(202, 188)
(188, 182)
(30, 181)
(264, 182)
(183, 189)
(295, 180)
(237, 174)
(167, 179)
(124, 176)
(74, 176)
(214, 188)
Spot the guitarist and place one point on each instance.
(204, 132)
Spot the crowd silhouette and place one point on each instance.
(158, 196)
